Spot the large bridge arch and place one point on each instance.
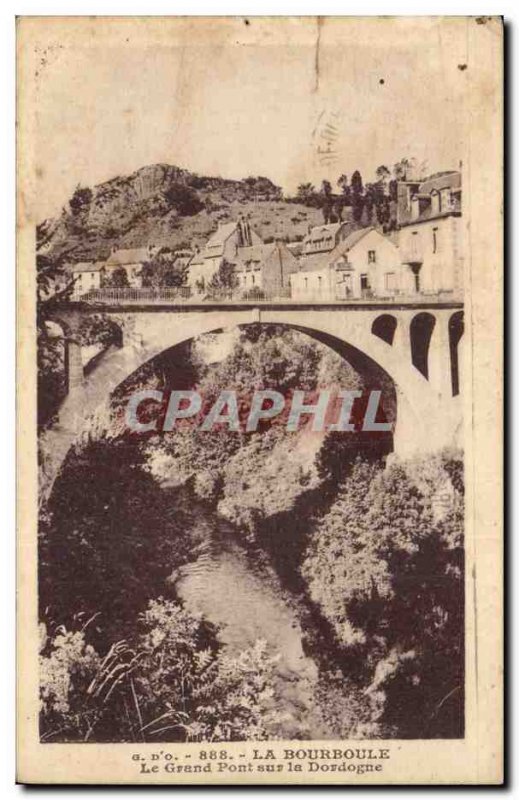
(148, 333)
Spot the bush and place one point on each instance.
(171, 684)
(184, 199)
(385, 566)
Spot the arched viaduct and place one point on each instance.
(415, 344)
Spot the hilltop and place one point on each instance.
(165, 205)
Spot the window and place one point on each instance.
(372, 257)
(389, 281)
(435, 240)
(436, 203)
(306, 283)
(253, 279)
(364, 282)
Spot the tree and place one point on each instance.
(345, 198)
(53, 287)
(162, 270)
(327, 201)
(117, 279)
(357, 202)
(305, 191)
(224, 281)
(393, 190)
(326, 188)
(403, 169)
(262, 187)
(80, 200)
(383, 173)
(342, 182)
(357, 198)
(356, 183)
(374, 197)
(184, 199)
(381, 560)
(384, 212)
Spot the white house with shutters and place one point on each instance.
(365, 264)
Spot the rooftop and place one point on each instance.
(323, 236)
(436, 184)
(131, 256)
(87, 266)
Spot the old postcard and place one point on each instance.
(260, 400)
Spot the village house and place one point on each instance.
(364, 264)
(87, 276)
(182, 258)
(132, 261)
(320, 241)
(221, 247)
(430, 235)
(265, 268)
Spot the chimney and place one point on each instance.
(239, 227)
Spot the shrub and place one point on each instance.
(385, 565)
(172, 684)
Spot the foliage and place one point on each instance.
(80, 200)
(97, 329)
(357, 197)
(305, 192)
(184, 199)
(239, 471)
(387, 571)
(171, 683)
(162, 270)
(50, 354)
(348, 711)
(117, 279)
(223, 281)
(263, 187)
(370, 202)
(191, 692)
(52, 287)
(67, 667)
(101, 562)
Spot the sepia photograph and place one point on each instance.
(249, 268)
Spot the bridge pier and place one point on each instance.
(402, 338)
(73, 366)
(440, 368)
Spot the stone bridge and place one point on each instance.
(416, 345)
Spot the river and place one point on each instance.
(245, 600)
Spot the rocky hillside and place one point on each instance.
(165, 205)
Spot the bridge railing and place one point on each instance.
(163, 294)
(184, 294)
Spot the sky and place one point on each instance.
(294, 100)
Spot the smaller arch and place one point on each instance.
(456, 329)
(385, 327)
(421, 330)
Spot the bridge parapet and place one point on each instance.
(180, 295)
